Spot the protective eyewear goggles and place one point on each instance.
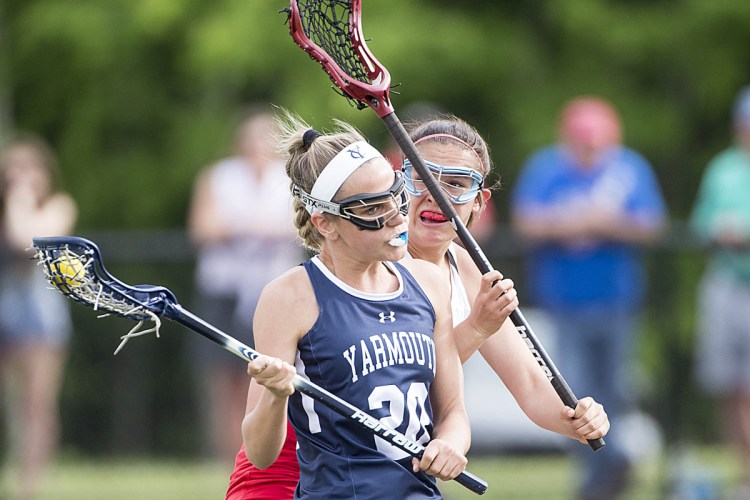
(369, 211)
(461, 184)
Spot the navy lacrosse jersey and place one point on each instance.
(375, 351)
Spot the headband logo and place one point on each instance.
(355, 153)
(340, 168)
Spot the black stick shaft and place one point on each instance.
(400, 135)
(177, 313)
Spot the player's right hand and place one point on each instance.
(273, 374)
(496, 300)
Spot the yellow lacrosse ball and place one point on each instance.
(69, 271)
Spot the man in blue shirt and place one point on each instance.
(585, 206)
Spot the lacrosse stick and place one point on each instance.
(330, 31)
(74, 267)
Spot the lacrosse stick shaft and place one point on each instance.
(186, 318)
(401, 136)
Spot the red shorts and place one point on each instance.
(276, 482)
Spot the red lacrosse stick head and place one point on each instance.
(339, 46)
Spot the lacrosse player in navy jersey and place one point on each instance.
(375, 332)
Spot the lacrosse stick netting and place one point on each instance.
(76, 270)
(325, 30)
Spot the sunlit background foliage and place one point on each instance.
(137, 95)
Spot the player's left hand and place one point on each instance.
(587, 421)
(441, 460)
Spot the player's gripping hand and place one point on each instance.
(587, 421)
(273, 374)
(441, 460)
(493, 303)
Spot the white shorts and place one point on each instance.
(723, 340)
(30, 310)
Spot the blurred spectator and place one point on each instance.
(241, 221)
(721, 217)
(585, 206)
(35, 323)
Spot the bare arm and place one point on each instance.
(507, 354)
(490, 309)
(444, 456)
(264, 426)
(491, 305)
(558, 226)
(512, 361)
(451, 421)
(276, 334)
(205, 224)
(25, 217)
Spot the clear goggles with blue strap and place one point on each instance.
(461, 184)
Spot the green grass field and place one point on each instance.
(510, 477)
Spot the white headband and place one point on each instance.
(339, 169)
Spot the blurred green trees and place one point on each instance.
(137, 95)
